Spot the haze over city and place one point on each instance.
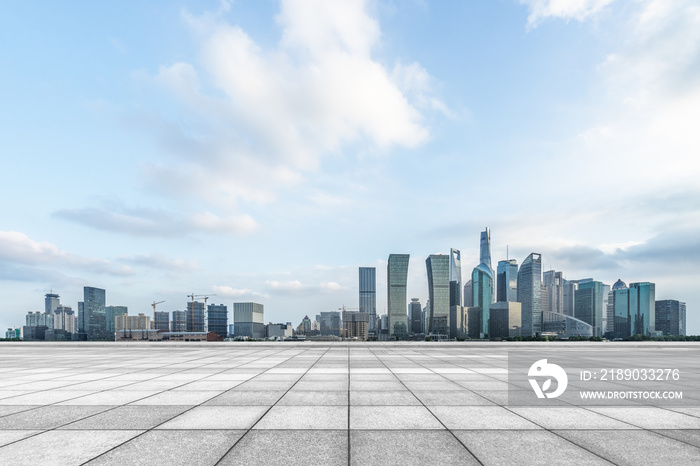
(247, 151)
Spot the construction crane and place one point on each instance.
(342, 328)
(154, 310)
(205, 297)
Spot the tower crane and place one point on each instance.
(154, 311)
(205, 297)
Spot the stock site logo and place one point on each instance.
(542, 369)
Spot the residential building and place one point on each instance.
(195, 316)
(179, 321)
(162, 321)
(355, 325)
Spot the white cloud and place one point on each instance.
(159, 261)
(566, 9)
(231, 292)
(295, 287)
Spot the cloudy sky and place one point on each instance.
(264, 150)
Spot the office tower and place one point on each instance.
(64, 319)
(397, 276)
(305, 325)
(355, 325)
(569, 297)
(248, 320)
(455, 278)
(217, 319)
(507, 281)
(179, 321)
(111, 312)
(195, 316)
(670, 317)
(589, 305)
(482, 284)
(458, 322)
(94, 314)
(438, 267)
(485, 250)
(368, 295)
(425, 315)
(330, 323)
(51, 302)
(468, 295)
(506, 319)
(635, 310)
(414, 314)
(162, 321)
(83, 324)
(606, 305)
(554, 286)
(529, 294)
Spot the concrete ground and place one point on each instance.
(309, 403)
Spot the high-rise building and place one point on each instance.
(94, 314)
(368, 295)
(127, 322)
(468, 294)
(505, 319)
(670, 317)
(482, 284)
(529, 294)
(195, 316)
(179, 321)
(397, 276)
(553, 282)
(507, 281)
(305, 325)
(355, 325)
(248, 320)
(635, 310)
(438, 267)
(51, 302)
(64, 319)
(606, 305)
(330, 323)
(415, 315)
(111, 312)
(569, 297)
(162, 321)
(217, 319)
(485, 250)
(589, 305)
(455, 278)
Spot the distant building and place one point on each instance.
(127, 322)
(162, 321)
(455, 278)
(438, 268)
(278, 330)
(468, 294)
(458, 322)
(507, 281)
(483, 284)
(569, 297)
(635, 310)
(355, 325)
(13, 333)
(64, 319)
(415, 316)
(397, 276)
(111, 312)
(368, 295)
(589, 305)
(51, 303)
(670, 317)
(553, 282)
(195, 316)
(529, 294)
(565, 326)
(179, 321)
(93, 322)
(506, 319)
(217, 319)
(248, 320)
(330, 323)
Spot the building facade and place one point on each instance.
(195, 316)
(162, 321)
(415, 315)
(94, 317)
(368, 295)
(589, 305)
(248, 320)
(438, 268)
(217, 319)
(529, 294)
(455, 278)
(397, 276)
(179, 321)
(670, 317)
(635, 310)
(553, 282)
(507, 281)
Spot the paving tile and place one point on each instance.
(370, 447)
(48, 417)
(451, 398)
(63, 448)
(686, 436)
(9, 436)
(392, 417)
(178, 398)
(634, 447)
(43, 398)
(255, 385)
(209, 385)
(305, 417)
(321, 386)
(376, 385)
(383, 398)
(111, 397)
(480, 417)
(7, 410)
(650, 417)
(569, 418)
(246, 398)
(174, 447)
(216, 417)
(307, 398)
(128, 417)
(307, 447)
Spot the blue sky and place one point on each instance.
(265, 150)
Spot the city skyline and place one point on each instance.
(241, 150)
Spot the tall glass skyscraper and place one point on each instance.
(507, 281)
(455, 278)
(51, 303)
(554, 284)
(368, 295)
(438, 267)
(217, 319)
(397, 276)
(94, 314)
(589, 305)
(485, 249)
(415, 314)
(635, 309)
(529, 294)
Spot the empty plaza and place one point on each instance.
(312, 403)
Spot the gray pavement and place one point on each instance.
(310, 403)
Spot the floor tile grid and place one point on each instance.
(156, 426)
(272, 405)
(443, 425)
(100, 412)
(528, 420)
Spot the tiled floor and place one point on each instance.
(308, 403)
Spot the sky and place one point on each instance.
(264, 150)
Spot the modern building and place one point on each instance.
(330, 323)
(507, 281)
(397, 276)
(589, 305)
(458, 322)
(529, 294)
(368, 295)
(569, 297)
(179, 321)
(195, 316)
(506, 319)
(438, 268)
(94, 320)
(564, 326)
(51, 302)
(485, 250)
(305, 326)
(483, 283)
(415, 315)
(111, 312)
(127, 322)
(64, 319)
(468, 294)
(162, 321)
(13, 333)
(455, 278)
(278, 331)
(553, 282)
(217, 319)
(670, 317)
(355, 325)
(635, 310)
(248, 320)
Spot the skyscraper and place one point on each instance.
(397, 276)
(635, 309)
(195, 316)
(589, 305)
(111, 312)
(507, 281)
(482, 284)
(569, 297)
(468, 295)
(438, 267)
(485, 249)
(554, 285)
(217, 319)
(368, 295)
(414, 314)
(529, 294)
(455, 278)
(330, 323)
(162, 321)
(51, 302)
(94, 314)
(670, 317)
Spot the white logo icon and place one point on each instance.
(542, 369)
